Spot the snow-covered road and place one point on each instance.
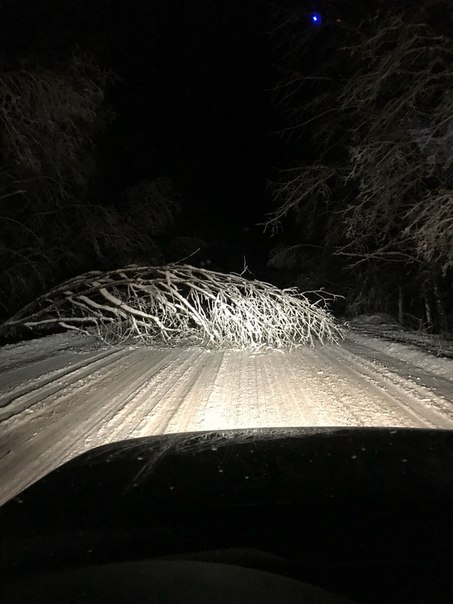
(64, 394)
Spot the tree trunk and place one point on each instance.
(400, 305)
(428, 311)
(441, 314)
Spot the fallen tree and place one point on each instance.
(178, 304)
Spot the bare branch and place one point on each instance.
(180, 304)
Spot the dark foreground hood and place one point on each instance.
(128, 482)
(321, 496)
(235, 468)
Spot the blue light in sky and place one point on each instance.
(316, 18)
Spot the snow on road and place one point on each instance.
(65, 394)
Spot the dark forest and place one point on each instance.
(310, 142)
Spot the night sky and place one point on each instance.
(193, 102)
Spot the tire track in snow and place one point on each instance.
(25, 355)
(396, 393)
(426, 391)
(323, 390)
(405, 369)
(136, 408)
(251, 389)
(12, 378)
(186, 398)
(27, 395)
(280, 384)
(164, 395)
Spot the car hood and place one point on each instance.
(161, 485)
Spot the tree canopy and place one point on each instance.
(371, 110)
(55, 219)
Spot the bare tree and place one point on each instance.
(49, 118)
(430, 224)
(399, 172)
(129, 233)
(377, 116)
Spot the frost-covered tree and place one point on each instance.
(403, 172)
(49, 118)
(51, 222)
(129, 233)
(373, 116)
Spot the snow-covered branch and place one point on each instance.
(180, 304)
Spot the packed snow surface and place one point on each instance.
(64, 394)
